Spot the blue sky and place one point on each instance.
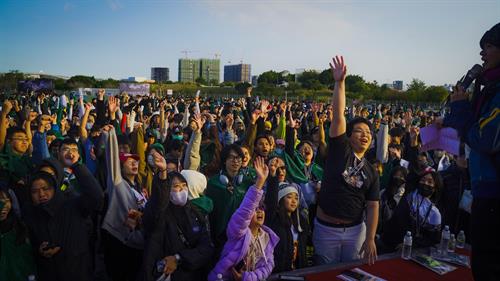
(433, 40)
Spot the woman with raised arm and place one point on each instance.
(350, 186)
(248, 252)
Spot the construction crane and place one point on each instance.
(186, 52)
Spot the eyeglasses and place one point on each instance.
(235, 158)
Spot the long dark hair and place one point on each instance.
(286, 220)
(13, 221)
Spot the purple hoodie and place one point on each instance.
(239, 237)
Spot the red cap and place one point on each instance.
(125, 156)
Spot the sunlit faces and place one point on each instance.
(131, 167)
(490, 55)
(307, 152)
(360, 138)
(258, 217)
(263, 147)
(68, 154)
(233, 163)
(7, 206)
(19, 142)
(246, 156)
(290, 202)
(281, 170)
(41, 192)
(178, 185)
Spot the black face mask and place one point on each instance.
(425, 190)
(398, 182)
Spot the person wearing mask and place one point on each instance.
(416, 213)
(178, 244)
(349, 189)
(391, 195)
(478, 124)
(16, 253)
(248, 254)
(58, 225)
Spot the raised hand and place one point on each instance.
(264, 105)
(112, 105)
(229, 121)
(32, 116)
(7, 107)
(273, 167)
(88, 107)
(255, 115)
(261, 170)
(200, 121)
(339, 69)
(291, 121)
(159, 161)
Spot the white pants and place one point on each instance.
(337, 244)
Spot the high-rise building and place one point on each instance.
(238, 73)
(192, 69)
(398, 85)
(255, 80)
(160, 74)
(210, 70)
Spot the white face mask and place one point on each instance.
(151, 160)
(179, 198)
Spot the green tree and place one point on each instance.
(309, 79)
(355, 83)
(435, 94)
(9, 80)
(326, 78)
(242, 87)
(269, 77)
(81, 81)
(201, 81)
(416, 85)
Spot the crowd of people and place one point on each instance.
(192, 188)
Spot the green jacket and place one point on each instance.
(16, 260)
(16, 166)
(225, 203)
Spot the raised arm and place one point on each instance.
(4, 122)
(193, 159)
(240, 221)
(112, 156)
(83, 124)
(339, 70)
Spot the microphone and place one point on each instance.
(472, 74)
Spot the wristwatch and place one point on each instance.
(177, 259)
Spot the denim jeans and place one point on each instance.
(337, 244)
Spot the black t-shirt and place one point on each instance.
(337, 197)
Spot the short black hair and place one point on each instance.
(14, 130)
(69, 141)
(227, 149)
(357, 120)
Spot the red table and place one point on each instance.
(398, 269)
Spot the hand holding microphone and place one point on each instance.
(459, 91)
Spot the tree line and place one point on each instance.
(309, 84)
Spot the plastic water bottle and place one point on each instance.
(407, 242)
(445, 238)
(452, 243)
(461, 239)
(219, 277)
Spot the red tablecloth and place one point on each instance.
(399, 269)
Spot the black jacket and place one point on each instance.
(62, 222)
(171, 230)
(283, 252)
